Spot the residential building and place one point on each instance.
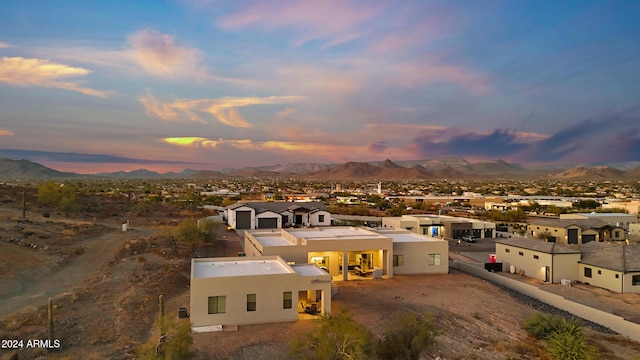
(352, 251)
(632, 206)
(538, 259)
(612, 219)
(441, 226)
(612, 266)
(574, 231)
(252, 290)
(276, 215)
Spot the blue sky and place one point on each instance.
(216, 84)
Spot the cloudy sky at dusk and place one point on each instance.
(120, 85)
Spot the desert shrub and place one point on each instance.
(174, 345)
(410, 335)
(543, 325)
(79, 250)
(46, 214)
(68, 232)
(333, 338)
(571, 346)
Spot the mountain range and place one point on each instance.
(436, 169)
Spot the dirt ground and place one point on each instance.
(105, 285)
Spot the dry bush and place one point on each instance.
(68, 232)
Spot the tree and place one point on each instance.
(412, 334)
(190, 236)
(333, 338)
(58, 195)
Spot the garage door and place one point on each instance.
(572, 236)
(588, 238)
(243, 219)
(267, 223)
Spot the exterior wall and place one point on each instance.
(560, 265)
(415, 257)
(314, 218)
(631, 206)
(565, 266)
(634, 229)
(628, 286)
(269, 291)
(401, 224)
(614, 322)
(231, 216)
(601, 277)
(268, 215)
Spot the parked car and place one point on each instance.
(469, 238)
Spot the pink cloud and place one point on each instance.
(316, 19)
(4, 132)
(160, 55)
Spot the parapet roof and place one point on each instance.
(226, 267)
(398, 236)
(334, 233)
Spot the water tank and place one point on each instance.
(512, 269)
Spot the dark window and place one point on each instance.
(507, 250)
(617, 233)
(617, 276)
(320, 218)
(536, 257)
(398, 260)
(520, 253)
(217, 304)
(287, 300)
(635, 280)
(587, 272)
(251, 302)
(599, 272)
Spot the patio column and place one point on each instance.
(386, 254)
(345, 265)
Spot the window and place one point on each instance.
(536, 257)
(434, 259)
(599, 272)
(287, 300)
(617, 276)
(617, 233)
(251, 302)
(507, 250)
(398, 260)
(635, 280)
(587, 272)
(217, 304)
(520, 253)
(320, 218)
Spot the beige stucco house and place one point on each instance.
(574, 231)
(346, 251)
(538, 259)
(252, 290)
(612, 266)
(619, 220)
(441, 226)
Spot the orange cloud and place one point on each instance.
(222, 109)
(36, 72)
(6, 132)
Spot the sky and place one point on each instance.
(93, 86)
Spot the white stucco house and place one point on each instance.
(276, 215)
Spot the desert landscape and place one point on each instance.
(105, 284)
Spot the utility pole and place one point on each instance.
(50, 321)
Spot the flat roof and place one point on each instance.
(334, 233)
(203, 268)
(537, 245)
(407, 236)
(308, 270)
(272, 239)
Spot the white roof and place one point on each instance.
(225, 268)
(334, 233)
(409, 237)
(308, 270)
(272, 239)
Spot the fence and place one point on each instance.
(614, 322)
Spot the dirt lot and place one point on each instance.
(105, 285)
